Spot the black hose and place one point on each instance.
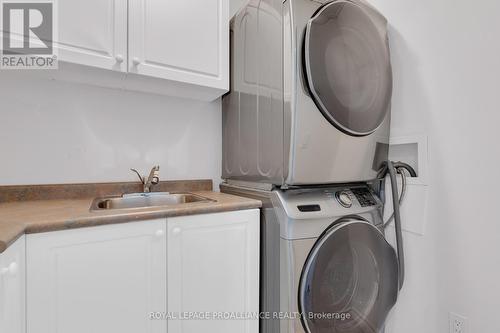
(411, 171)
(397, 165)
(397, 222)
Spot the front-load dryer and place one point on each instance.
(310, 98)
(326, 266)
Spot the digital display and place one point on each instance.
(364, 197)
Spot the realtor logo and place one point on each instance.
(27, 35)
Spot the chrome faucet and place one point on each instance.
(153, 178)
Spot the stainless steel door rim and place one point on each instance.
(353, 271)
(347, 65)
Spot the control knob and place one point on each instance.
(344, 199)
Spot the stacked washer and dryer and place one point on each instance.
(306, 130)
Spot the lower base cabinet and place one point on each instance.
(148, 277)
(13, 288)
(213, 272)
(102, 279)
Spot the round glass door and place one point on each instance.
(347, 66)
(349, 283)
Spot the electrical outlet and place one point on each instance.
(458, 323)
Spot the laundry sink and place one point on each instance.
(145, 200)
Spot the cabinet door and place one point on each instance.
(213, 266)
(93, 33)
(13, 288)
(180, 40)
(102, 279)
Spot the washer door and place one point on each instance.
(349, 282)
(347, 65)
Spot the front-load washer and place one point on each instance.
(310, 97)
(326, 266)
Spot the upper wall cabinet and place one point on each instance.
(172, 47)
(180, 40)
(93, 33)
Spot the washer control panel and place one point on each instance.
(364, 196)
(324, 202)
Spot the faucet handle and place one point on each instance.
(138, 175)
(156, 175)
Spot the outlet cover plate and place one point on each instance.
(458, 323)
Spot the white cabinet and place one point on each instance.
(13, 288)
(93, 33)
(174, 47)
(104, 279)
(119, 278)
(180, 40)
(213, 266)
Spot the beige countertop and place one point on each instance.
(25, 217)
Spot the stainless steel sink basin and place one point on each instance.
(145, 200)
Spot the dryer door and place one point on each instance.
(347, 65)
(349, 282)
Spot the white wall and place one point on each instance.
(446, 57)
(59, 132)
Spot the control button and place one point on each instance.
(344, 199)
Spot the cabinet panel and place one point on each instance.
(93, 33)
(186, 41)
(101, 279)
(213, 266)
(13, 288)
